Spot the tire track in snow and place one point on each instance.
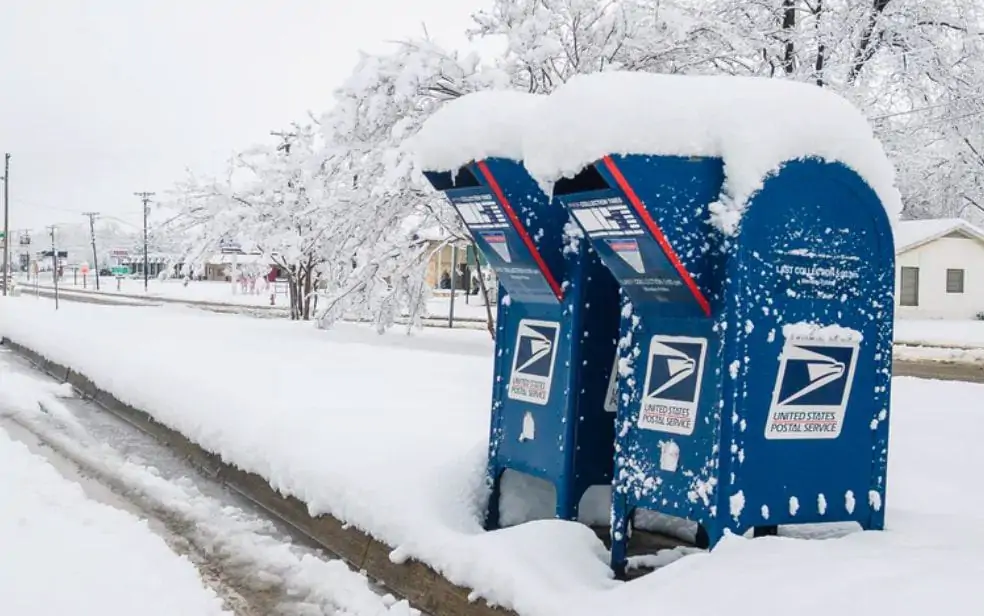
(236, 552)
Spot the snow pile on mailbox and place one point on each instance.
(753, 124)
(475, 127)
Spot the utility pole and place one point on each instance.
(92, 233)
(54, 263)
(145, 197)
(6, 219)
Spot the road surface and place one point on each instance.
(258, 565)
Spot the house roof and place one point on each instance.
(912, 233)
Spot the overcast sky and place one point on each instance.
(101, 98)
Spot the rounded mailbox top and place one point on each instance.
(753, 124)
(474, 127)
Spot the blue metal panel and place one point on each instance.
(812, 412)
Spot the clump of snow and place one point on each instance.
(572, 237)
(736, 503)
(805, 330)
(765, 512)
(822, 504)
(794, 505)
(753, 124)
(849, 501)
(474, 127)
(874, 500)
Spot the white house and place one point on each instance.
(939, 269)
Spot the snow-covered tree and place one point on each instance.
(376, 111)
(915, 66)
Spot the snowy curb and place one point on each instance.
(422, 586)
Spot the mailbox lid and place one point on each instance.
(504, 243)
(646, 216)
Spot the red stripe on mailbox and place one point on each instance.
(511, 213)
(657, 234)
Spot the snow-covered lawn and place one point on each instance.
(438, 306)
(389, 433)
(64, 553)
(937, 332)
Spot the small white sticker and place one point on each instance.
(672, 387)
(533, 361)
(611, 397)
(529, 428)
(812, 388)
(669, 456)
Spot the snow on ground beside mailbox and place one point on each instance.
(66, 554)
(753, 124)
(928, 332)
(391, 438)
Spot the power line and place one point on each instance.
(145, 197)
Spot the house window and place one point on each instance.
(954, 281)
(909, 294)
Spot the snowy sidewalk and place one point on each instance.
(389, 434)
(66, 554)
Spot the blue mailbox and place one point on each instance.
(555, 338)
(759, 363)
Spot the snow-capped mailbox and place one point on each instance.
(552, 409)
(756, 339)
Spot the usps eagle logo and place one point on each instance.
(671, 392)
(533, 361)
(812, 389)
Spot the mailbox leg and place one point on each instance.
(619, 534)
(495, 492)
(568, 501)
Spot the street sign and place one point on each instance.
(120, 271)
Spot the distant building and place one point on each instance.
(939, 269)
(219, 267)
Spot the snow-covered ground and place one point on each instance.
(64, 553)
(389, 433)
(939, 332)
(439, 306)
(251, 562)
